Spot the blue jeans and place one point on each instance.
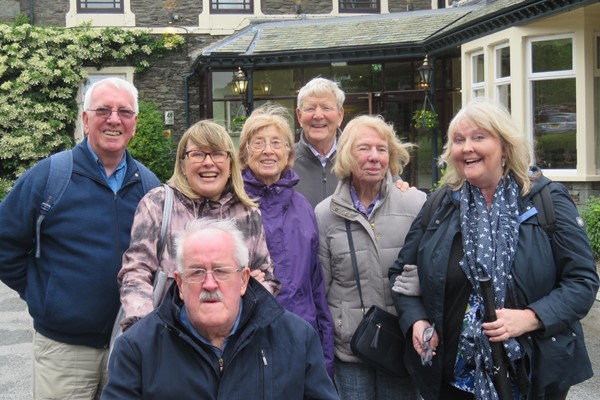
(358, 381)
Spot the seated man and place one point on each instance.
(218, 333)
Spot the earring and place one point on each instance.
(503, 162)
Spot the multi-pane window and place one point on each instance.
(359, 6)
(231, 6)
(502, 74)
(100, 6)
(554, 101)
(477, 74)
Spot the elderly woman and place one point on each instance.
(266, 153)
(486, 226)
(379, 216)
(207, 182)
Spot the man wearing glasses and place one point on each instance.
(218, 333)
(66, 270)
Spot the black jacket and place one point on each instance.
(274, 354)
(558, 281)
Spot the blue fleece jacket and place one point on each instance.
(71, 290)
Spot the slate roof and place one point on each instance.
(404, 34)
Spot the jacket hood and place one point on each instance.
(288, 179)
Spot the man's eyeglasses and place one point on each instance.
(198, 156)
(261, 144)
(105, 112)
(427, 351)
(198, 275)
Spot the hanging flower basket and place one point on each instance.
(423, 119)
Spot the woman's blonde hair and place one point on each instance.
(497, 121)
(263, 117)
(209, 135)
(345, 161)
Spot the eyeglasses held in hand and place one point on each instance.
(198, 156)
(198, 275)
(427, 351)
(105, 112)
(261, 144)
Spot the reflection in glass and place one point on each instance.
(552, 55)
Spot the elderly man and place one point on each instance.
(66, 268)
(320, 112)
(218, 333)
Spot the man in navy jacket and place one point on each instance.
(71, 286)
(218, 334)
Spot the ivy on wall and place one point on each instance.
(41, 69)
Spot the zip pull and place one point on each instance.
(376, 337)
(264, 358)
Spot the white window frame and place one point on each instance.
(539, 76)
(501, 82)
(477, 87)
(73, 18)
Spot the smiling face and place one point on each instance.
(268, 164)
(212, 306)
(206, 178)
(110, 136)
(320, 117)
(372, 159)
(477, 155)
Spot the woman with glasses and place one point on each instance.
(487, 229)
(266, 154)
(367, 207)
(206, 183)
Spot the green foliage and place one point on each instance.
(41, 69)
(149, 145)
(591, 215)
(423, 119)
(237, 123)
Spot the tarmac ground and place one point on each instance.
(16, 334)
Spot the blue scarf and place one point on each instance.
(490, 241)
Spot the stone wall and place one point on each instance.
(47, 13)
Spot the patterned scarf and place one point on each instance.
(490, 242)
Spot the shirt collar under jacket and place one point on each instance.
(359, 206)
(218, 352)
(115, 180)
(323, 158)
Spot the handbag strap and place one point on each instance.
(354, 265)
(166, 221)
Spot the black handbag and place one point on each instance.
(378, 340)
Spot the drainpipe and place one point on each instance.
(186, 97)
(31, 12)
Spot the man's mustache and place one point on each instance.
(210, 296)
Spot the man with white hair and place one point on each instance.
(218, 333)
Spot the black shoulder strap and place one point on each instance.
(432, 204)
(61, 167)
(542, 201)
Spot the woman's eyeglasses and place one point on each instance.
(105, 112)
(198, 156)
(261, 144)
(427, 351)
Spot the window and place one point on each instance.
(597, 103)
(232, 6)
(478, 74)
(553, 98)
(359, 6)
(502, 75)
(100, 6)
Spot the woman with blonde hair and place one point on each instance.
(367, 207)
(206, 183)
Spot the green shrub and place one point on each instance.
(591, 215)
(149, 145)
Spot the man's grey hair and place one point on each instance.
(320, 86)
(229, 226)
(115, 82)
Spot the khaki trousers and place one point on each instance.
(64, 371)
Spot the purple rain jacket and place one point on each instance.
(293, 241)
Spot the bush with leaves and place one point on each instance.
(41, 69)
(591, 215)
(149, 145)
